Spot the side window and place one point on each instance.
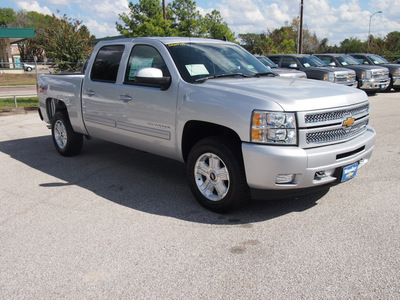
(275, 59)
(143, 56)
(326, 59)
(287, 61)
(106, 64)
(360, 59)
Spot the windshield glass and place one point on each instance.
(377, 60)
(311, 61)
(207, 60)
(347, 60)
(266, 61)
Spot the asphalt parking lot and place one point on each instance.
(116, 223)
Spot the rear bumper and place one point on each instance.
(263, 164)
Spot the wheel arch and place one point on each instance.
(53, 106)
(195, 131)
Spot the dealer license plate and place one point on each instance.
(349, 172)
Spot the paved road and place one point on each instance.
(115, 223)
(17, 90)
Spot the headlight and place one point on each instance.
(329, 77)
(273, 128)
(366, 75)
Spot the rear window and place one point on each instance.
(106, 64)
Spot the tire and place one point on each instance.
(216, 175)
(65, 139)
(28, 69)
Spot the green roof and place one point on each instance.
(17, 33)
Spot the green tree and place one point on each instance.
(144, 19)
(31, 47)
(217, 28)
(352, 45)
(282, 41)
(7, 16)
(67, 42)
(186, 19)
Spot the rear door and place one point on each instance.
(100, 93)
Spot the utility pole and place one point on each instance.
(164, 11)
(301, 29)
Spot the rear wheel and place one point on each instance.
(216, 175)
(65, 139)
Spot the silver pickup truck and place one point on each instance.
(212, 105)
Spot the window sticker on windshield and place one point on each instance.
(344, 63)
(197, 69)
(250, 66)
(306, 65)
(376, 62)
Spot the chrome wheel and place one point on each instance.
(60, 134)
(212, 177)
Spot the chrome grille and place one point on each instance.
(335, 115)
(338, 134)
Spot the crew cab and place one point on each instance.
(376, 60)
(212, 105)
(281, 71)
(315, 68)
(370, 78)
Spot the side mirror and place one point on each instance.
(293, 66)
(366, 63)
(152, 77)
(332, 64)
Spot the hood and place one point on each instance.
(291, 94)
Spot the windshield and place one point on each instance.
(347, 60)
(377, 60)
(311, 61)
(211, 60)
(266, 61)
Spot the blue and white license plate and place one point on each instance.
(349, 172)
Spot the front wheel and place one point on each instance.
(65, 139)
(216, 175)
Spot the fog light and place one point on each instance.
(284, 178)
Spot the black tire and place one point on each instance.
(216, 175)
(28, 69)
(65, 139)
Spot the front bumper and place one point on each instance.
(373, 84)
(264, 163)
(396, 81)
(350, 84)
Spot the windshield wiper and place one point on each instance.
(221, 76)
(264, 74)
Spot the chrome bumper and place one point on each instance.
(311, 167)
(373, 84)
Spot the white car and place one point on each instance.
(28, 67)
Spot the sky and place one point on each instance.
(335, 20)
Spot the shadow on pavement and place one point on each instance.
(140, 181)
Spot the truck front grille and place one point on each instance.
(334, 135)
(335, 115)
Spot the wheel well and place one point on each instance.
(53, 106)
(195, 131)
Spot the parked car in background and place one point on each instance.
(369, 78)
(315, 68)
(376, 60)
(280, 71)
(28, 67)
(397, 61)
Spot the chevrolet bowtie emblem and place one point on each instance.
(348, 122)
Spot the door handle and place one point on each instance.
(125, 97)
(89, 92)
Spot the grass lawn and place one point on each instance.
(17, 79)
(8, 103)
